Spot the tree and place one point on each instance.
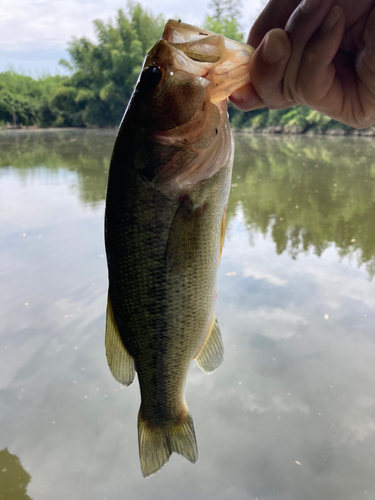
(105, 73)
(225, 9)
(24, 101)
(224, 19)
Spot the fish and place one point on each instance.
(168, 186)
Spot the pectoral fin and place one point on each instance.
(120, 362)
(222, 232)
(186, 233)
(211, 355)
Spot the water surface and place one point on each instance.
(291, 413)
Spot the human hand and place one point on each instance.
(316, 53)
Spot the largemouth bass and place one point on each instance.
(168, 188)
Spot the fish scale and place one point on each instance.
(168, 187)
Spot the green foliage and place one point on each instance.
(86, 151)
(224, 19)
(226, 26)
(308, 193)
(225, 9)
(103, 75)
(14, 482)
(102, 79)
(25, 101)
(301, 118)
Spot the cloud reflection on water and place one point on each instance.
(289, 415)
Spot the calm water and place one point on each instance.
(291, 413)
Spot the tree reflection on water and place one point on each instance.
(308, 192)
(13, 477)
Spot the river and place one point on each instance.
(290, 415)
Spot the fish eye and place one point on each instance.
(151, 76)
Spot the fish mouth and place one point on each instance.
(203, 54)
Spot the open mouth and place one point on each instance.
(224, 62)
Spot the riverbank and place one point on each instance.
(278, 130)
(352, 132)
(50, 129)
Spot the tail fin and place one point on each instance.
(156, 444)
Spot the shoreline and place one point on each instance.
(53, 129)
(331, 132)
(277, 130)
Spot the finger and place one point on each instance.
(355, 10)
(246, 98)
(275, 15)
(267, 68)
(365, 67)
(317, 84)
(303, 23)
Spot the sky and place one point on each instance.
(34, 33)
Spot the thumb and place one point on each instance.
(268, 66)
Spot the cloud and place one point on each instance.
(34, 23)
(276, 400)
(34, 26)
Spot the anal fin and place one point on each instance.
(211, 355)
(120, 362)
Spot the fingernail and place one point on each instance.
(331, 20)
(272, 50)
(245, 98)
(242, 94)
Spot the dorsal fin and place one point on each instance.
(211, 355)
(120, 362)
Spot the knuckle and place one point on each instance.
(273, 105)
(277, 102)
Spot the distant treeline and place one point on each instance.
(102, 76)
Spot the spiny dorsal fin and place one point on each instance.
(120, 362)
(211, 355)
(156, 444)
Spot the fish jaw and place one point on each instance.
(223, 62)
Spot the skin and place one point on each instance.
(163, 253)
(320, 53)
(163, 256)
